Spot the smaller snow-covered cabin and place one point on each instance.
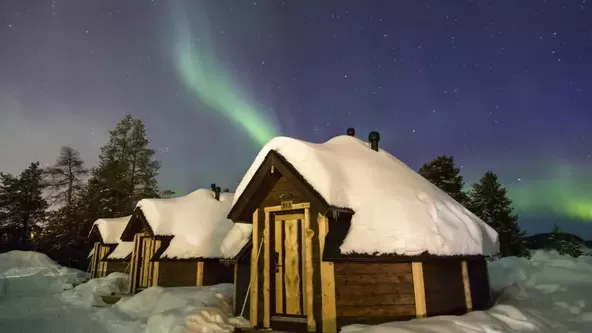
(342, 232)
(176, 241)
(105, 237)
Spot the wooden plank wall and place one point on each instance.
(479, 283)
(216, 272)
(177, 273)
(243, 276)
(444, 288)
(374, 290)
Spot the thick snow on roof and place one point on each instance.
(397, 211)
(122, 250)
(111, 229)
(236, 238)
(198, 222)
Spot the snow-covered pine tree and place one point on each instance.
(563, 243)
(490, 202)
(442, 173)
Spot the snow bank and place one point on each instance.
(89, 294)
(23, 272)
(122, 250)
(111, 229)
(163, 310)
(397, 211)
(549, 293)
(198, 222)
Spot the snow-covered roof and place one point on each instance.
(111, 229)
(121, 251)
(397, 211)
(198, 222)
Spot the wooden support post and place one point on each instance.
(254, 273)
(156, 264)
(200, 273)
(419, 289)
(309, 234)
(467, 285)
(329, 308)
(266, 271)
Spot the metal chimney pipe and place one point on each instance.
(217, 193)
(351, 131)
(374, 137)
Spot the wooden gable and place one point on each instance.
(276, 180)
(137, 224)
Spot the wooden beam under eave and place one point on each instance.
(329, 308)
(467, 285)
(419, 290)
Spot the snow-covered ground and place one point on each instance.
(548, 293)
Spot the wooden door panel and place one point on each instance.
(288, 261)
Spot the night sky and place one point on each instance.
(500, 85)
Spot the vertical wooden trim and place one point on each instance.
(309, 268)
(94, 261)
(328, 308)
(419, 289)
(200, 273)
(156, 266)
(134, 262)
(266, 269)
(235, 293)
(467, 285)
(254, 271)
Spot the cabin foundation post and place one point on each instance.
(419, 289)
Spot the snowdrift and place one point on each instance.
(23, 272)
(89, 294)
(182, 310)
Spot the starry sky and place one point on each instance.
(500, 85)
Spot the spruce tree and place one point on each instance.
(563, 243)
(490, 202)
(126, 172)
(442, 173)
(23, 205)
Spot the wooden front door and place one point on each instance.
(288, 264)
(145, 266)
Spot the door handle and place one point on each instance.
(277, 262)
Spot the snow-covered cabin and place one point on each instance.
(176, 241)
(108, 254)
(343, 232)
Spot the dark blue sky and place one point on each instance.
(500, 85)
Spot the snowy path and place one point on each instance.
(45, 314)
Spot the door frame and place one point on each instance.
(307, 235)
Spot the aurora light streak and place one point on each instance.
(201, 73)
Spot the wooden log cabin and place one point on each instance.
(342, 232)
(176, 241)
(105, 237)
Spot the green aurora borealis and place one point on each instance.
(198, 68)
(554, 188)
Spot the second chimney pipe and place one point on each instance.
(217, 193)
(213, 187)
(351, 131)
(374, 137)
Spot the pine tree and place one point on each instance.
(563, 243)
(490, 202)
(126, 172)
(23, 204)
(65, 178)
(442, 173)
